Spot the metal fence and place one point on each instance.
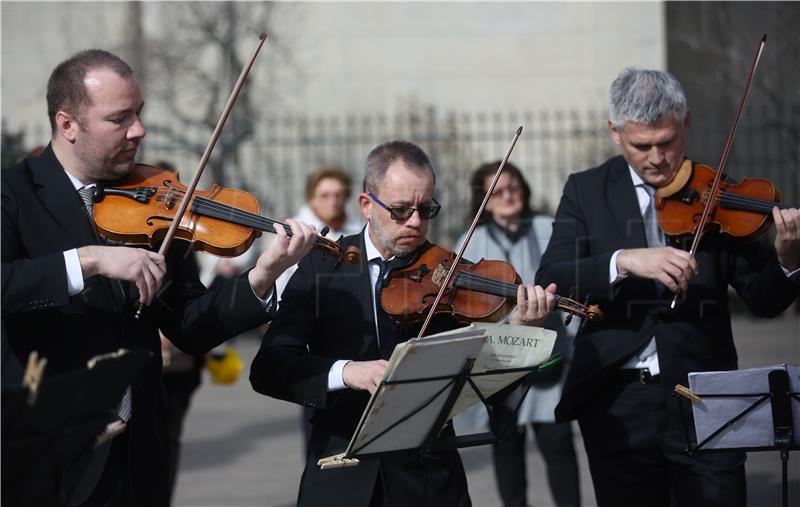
(275, 162)
(553, 144)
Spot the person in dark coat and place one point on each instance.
(70, 296)
(606, 242)
(328, 345)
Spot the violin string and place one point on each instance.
(236, 214)
(223, 211)
(497, 287)
(757, 205)
(254, 220)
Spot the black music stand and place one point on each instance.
(784, 439)
(47, 441)
(409, 410)
(490, 437)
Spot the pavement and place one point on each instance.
(242, 449)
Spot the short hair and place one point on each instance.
(324, 172)
(477, 184)
(645, 96)
(66, 90)
(380, 158)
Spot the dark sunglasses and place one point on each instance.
(426, 211)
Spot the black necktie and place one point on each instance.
(87, 196)
(388, 332)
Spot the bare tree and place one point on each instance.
(193, 68)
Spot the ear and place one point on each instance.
(614, 132)
(66, 126)
(688, 120)
(365, 204)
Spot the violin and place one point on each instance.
(742, 209)
(484, 291)
(140, 208)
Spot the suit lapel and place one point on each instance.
(624, 205)
(58, 196)
(357, 281)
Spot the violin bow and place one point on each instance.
(472, 227)
(187, 197)
(715, 186)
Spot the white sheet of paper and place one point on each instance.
(754, 429)
(440, 355)
(507, 346)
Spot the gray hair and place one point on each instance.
(645, 96)
(380, 158)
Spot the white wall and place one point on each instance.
(378, 57)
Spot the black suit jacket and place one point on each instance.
(326, 314)
(599, 214)
(43, 216)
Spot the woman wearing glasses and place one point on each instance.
(512, 232)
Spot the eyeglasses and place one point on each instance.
(426, 211)
(511, 189)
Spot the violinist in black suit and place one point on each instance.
(70, 297)
(328, 344)
(606, 243)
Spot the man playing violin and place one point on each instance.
(328, 345)
(70, 297)
(606, 243)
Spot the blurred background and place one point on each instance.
(335, 79)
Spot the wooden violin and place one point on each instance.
(742, 209)
(139, 210)
(485, 291)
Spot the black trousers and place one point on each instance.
(557, 448)
(179, 388)
(113, 488)
(637, 456)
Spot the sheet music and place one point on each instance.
(507, 346)
(754, 429)
(434, 356)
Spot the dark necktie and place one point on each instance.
(388, 332)
(87, 196)
(655, 239)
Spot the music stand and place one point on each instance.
(744, 410)
(424, 387)
(47, 441)
(478, 437)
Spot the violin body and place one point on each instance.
(412, 290)
(743, 209)
(139, 209)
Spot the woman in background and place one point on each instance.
(510, 231)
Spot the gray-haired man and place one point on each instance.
(606, 243)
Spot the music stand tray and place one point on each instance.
(749, 410)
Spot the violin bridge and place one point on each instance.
(439, 275)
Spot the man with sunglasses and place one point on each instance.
(328, 345)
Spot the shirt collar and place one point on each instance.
(372, 250)
(637, 180)
(77, 183)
